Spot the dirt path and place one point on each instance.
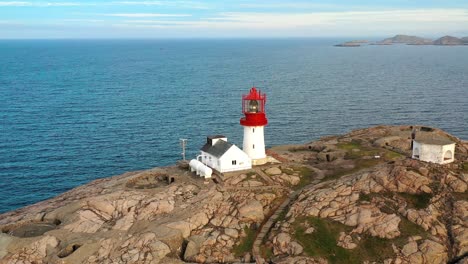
(269, 224)
(273, 218)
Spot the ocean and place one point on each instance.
(72, 111)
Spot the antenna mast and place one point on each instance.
(183, 144)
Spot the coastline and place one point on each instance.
(143, 206)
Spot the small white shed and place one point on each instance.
(223, 156)
(434, 149)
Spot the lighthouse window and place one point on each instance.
(234, 162)
(253, 146)
(253, 130)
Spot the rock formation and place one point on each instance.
(355, 198)
(448, 40)
(405, 39)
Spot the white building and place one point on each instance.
(223, 156)
(434, 149)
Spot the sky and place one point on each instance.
(37, 19)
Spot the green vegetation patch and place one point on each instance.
(349, 145)
(358, 165)
(266, 252)
(282, 214)
(392, 155)
(465, 166)
(364, 151)
(323, 242)
(407, 229)
(417, 201)
(306, 174)
(373, 249)
(246, 243)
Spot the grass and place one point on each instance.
(246, 243)
(366, 151)
(465, 166)
(360, 158)
(358, 165)
(323, 243)
(417, 201)
(282, 215)
(305, 175)
(266, 252)
(408, 228)
(349, 145)
(373, 249)
(392, 155)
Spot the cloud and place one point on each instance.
(15, 3)
(83, 20)
(147, 15)
(42, 4)
(281, 20)
(300, 5)
(185, 4)
(9, 22)
(345, 23)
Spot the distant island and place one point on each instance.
(353, 43)
(409, 40)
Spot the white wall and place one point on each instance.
(254, 142)
(433, 153)
(243, 161)
(450, 148)
(210, 160)
(224, 163)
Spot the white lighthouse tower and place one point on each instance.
(253, 107)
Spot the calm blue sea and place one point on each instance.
(76, 110)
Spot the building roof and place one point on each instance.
(218, 149)
(433, 140)
(216, 136)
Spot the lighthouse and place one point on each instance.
(253, 107)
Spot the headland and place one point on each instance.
(341, 199)
(410, 40)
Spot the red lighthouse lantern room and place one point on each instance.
(253, 107)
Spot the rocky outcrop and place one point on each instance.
(283, 244)
(448, 40)
(36, 252)
(413, 40)
(405, 39)
(346, 241)
(252, 210)
(350, 199)
(144, 248)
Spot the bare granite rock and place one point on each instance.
(417, 210)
